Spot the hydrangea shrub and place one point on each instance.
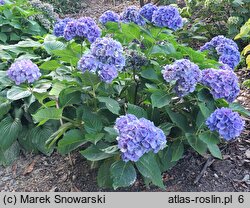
(126, 94)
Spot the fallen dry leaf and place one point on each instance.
(29, 168)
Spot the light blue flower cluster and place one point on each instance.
(84, 27)
(131, 14)
(227, 123)
(184, 74)
(227, 50)
(147, 11)
(137, 137)
(167, 16)
(109, 16)
(60, 26)
(106, 57)
(22, 71)
(222, 83)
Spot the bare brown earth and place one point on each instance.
(64, 173)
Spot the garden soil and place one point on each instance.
(192, 173)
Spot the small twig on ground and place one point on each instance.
(209, 162)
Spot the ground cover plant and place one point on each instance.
(123, 91)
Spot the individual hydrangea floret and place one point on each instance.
(147, 11)
(167, 16)
(227, 50)
(107, 72)
(184, 74)
(60, 26)
(227, 123)
(109, 16)
(222, 83)
(22, 71)
(131, 14)
(137, 137)
(88, 63)
(108, 51)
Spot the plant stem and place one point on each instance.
(136, 86)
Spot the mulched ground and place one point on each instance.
(61, 173)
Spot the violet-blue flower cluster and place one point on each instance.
(2, 2)
(147, 11)
(105, 57)
(184, 74)
(227, 50)
(227, 123)
(222, 83)
(109, 16)
(84, 27)
(131, 14)
(137, 137)
(167, 16)
(22, 71)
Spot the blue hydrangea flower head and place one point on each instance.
(60, 25)
(108, 51)
(227, 50)
(107, 72)
(70, 30)
(2, 2)
(147, 11)
(227, 123)
(184, 74)
(88, 63)
(167, 16)
(222, 83)
(109, 16)
(137, 137)
(23, 71)
(91, 31)
(131, 14)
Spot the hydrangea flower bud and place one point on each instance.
(227, 123)
(22, 71)
(184, 74)
(137, 137)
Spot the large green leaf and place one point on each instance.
(4, 106)
(111, 104)
(10, 155)
(239, 108)
(104, 177)
(17, 93)
(93, 153)
(137, 111)
(123, 174)
(179, 120)
(69, 96)
(50, 65)
(160, 99)
(10, 129)
(46, 114)
(149, 168)
(162, 49)
(92, 123)
(94, 138)
(196, 143)
(165, 157)
(211, 140)
(177, 150)
(70, 141)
